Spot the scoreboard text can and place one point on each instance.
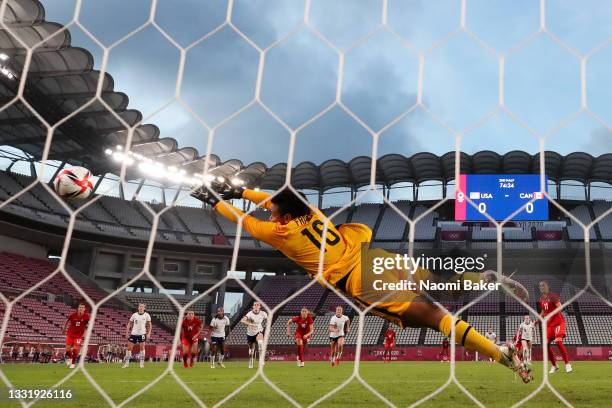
(500, 195)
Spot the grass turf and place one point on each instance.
(402, 383)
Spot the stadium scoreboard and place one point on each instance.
(500, 195)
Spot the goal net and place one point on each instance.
(32, 46)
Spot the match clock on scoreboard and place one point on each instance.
(500, 195)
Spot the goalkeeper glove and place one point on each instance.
(232, 192)
(205, 195)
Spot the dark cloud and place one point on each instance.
(300, 76)
(343, 22)
(380, 80)
(267, 21)
(600, 142)
(110, 20)
(220, 75)
(190, 20)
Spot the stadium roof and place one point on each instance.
(61, 79)
(423, 167)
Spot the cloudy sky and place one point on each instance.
(380, 74)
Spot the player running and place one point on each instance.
(191, 327)
(137, 331)
(389, 344)
(221, 328)
(74, 329)
(555, 326)
(296, 230)
(526, 333)
(339, 326)
(303, 331)
(254, 321)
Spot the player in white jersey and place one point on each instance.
(527, 335)
(220, 326)
(254, 321)
(137, 331)
(492, 337)
(339, 326)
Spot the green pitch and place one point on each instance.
(402, 383)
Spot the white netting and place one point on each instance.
(462, 27)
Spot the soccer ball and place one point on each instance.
(73, 184)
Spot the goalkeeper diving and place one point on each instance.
(297, 230)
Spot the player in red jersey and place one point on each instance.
(190, 335)
(74, 329)
(517, 340)
(445, 355)
(303, 331)
(555, 326)
(389, 344)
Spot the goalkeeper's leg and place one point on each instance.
(422, 313)
(409, 308)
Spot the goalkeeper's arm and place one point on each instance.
(258, 197)
(262, 230)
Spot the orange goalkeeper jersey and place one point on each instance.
(300, 239)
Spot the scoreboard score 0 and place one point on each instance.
(500, 195)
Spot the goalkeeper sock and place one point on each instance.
(468, 337)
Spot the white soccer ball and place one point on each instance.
(73, 184)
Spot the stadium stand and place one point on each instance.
(278, 332)
(237, 335)
(392, 225)
(38, 318)
(198, 226)
(406, 337)
(433, 337)
(321, 330)
(597, 329)
(574, 230)
(341, 218)
(332, 300)
(425, 230)
(483, 323)
(366, 214)
(277, 288)
(309, 298)
(496, 310)
(372, 327)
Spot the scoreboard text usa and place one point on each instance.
(500, 195)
